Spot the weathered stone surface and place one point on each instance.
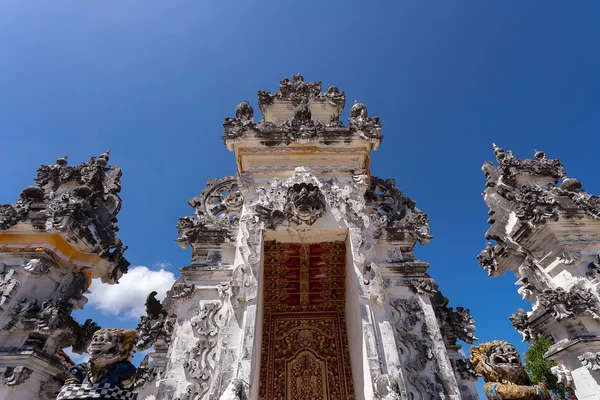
(546, 230)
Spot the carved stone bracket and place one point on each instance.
(563, 375)
(590, 360)
(520, 321)
(453, 323)
(14, 376)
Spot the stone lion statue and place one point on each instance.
(499, 364)
(108, 368)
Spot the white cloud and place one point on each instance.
(76, 358)
(126, 299)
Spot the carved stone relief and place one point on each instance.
(202, 360)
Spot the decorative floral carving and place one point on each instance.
(202, 359)
(453, 323)
(218, 209)
(563, 304)
(389, 208)
(534, 205)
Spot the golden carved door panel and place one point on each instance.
(305, 345)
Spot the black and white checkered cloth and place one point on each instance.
(97, 391)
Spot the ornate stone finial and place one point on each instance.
(244, 111)
(359, 110)
(499, 364)
(539, 155)
(103, 158)
(108, 369)
(499, 152)
(62, 161)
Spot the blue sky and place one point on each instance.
(153, 80)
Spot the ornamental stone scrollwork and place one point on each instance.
(534, 205)
(563, 375)
(8, 285)
(487, 259)
(296, 91)
(390, 209)
(590, 360)
(218, 209)
(202, 359)
(520, 321)
(511, 166)
(577, 301)
(14, 376)
(156, 324)
(182, 291)
(359, 120)
(453, 323)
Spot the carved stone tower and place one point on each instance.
(549, 234)
(303, 282)
(59, 235)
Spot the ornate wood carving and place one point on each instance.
(305, 344)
